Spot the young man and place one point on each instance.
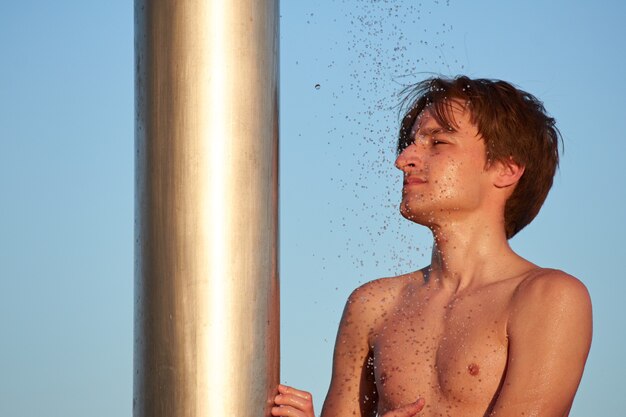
(480, 331)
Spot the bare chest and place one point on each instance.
(453, 354)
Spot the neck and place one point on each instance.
(471, 256)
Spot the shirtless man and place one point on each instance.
(480, 331)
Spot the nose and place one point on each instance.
(408, 158)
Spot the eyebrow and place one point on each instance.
(429, 131)
(434, 130)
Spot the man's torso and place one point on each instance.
(448, 349)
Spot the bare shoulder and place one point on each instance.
(546, 294)
(374, 291)
(371, 301)
(382, 291)
(551, 285)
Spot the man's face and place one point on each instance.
(444, 170)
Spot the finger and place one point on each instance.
(285, 389)
(419, 404)
(293, 400)
(296, 402)
(408, 410)
(286, 411)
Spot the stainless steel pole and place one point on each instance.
(206, 208)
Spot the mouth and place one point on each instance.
(413, 181)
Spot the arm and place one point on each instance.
(352, 389)
(549, 331)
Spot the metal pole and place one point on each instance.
(206, 208)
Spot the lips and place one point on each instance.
(410, 180)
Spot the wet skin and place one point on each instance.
(449, 348)
(467, 353)
(479, 332)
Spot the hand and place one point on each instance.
(408, 410)
(291, 402)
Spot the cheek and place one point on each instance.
(450, 181)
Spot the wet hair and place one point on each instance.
(514, 125)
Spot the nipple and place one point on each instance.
(473, 369)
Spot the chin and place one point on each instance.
(429, 211)
(418, 215)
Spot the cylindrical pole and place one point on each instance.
(206, 208)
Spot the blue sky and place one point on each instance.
(66, 177)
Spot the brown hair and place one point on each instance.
(514, 125)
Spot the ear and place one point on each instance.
(507, 173)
